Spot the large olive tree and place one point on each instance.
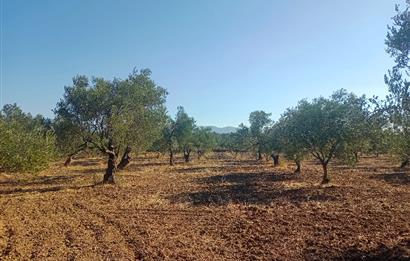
(325, 127)
(111, 116)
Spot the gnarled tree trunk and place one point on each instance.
(67, 162)
(404, 163)
(200, 153)
(326, 178)
(109, 176)
(298, 170)
(125, 158)
(171, 157)
(259, 155)
(187, 153)
(275, 159)
(356, 156)
(70, 157)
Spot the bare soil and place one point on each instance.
(220, 208)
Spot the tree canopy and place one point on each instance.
(398, 100)
(126, 113)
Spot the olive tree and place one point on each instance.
(271, 143)
(111, 117)
(259, 123)
(184, 129)
(241, 139)
(204, 140)
(362, 125)
(397, 79)
(177, 135)
(289, 140)
(323, 127)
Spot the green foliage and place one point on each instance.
(286, 139)
(26, 143)
(203, 139)
(184, 129)
(398, 100)
(398, 37)
(259, 124)
(176, 135)
(326, 127)
(241, 139)
(359, 126)
(126, 113)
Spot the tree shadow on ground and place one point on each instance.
(87, 162)
(42, 180)
(239, 162)
(400, 252)
(253, 188)
(19, 191)
(361, 168)
(395, 178)
(87, 172)
(198, 169)
(138, 166)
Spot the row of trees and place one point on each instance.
(182, 135)
(120, 117)
(342, 125)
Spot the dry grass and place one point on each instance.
(220, 208)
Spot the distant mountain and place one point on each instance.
(222, 130)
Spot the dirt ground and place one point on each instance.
(220, 208)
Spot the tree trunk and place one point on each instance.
(298, 170)
(259, 155)
(70, 157)
(68, 161)
(275, 160)
(356, 157)
(171, 158)
(325, 179)
(404, 163)
(186, 155)
(200, 153)
(125, 158)
(109, 176)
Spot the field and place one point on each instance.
(218, 208)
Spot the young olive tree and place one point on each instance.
(204, 140)
(272, 143)
(177, 135)
(397, 79)
(241, 139)
(184, 131)
(259, 123)
(111, 116)
(289, 140)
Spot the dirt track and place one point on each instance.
(215, 209)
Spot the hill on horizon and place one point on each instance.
(222, 130)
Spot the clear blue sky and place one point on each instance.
(220, 59)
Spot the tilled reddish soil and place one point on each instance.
(219, 208)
